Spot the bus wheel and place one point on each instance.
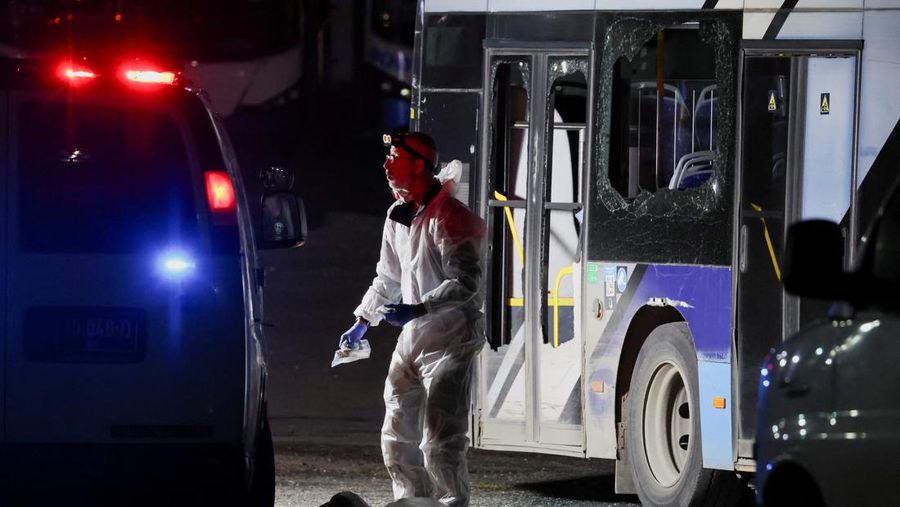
(663, 426)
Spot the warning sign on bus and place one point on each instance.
(773, 103)
(825, 103)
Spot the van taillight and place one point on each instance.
(75, 74)
(220, 197)
(150, 76)
(219, 192)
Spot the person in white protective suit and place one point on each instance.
(428, 281)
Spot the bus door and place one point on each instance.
(534, 151)
(796, 162)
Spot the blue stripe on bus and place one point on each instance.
(702, 294)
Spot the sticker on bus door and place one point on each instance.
(621, 279)
(609, 278)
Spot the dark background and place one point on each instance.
(330, 136)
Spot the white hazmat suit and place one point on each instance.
(432, 256)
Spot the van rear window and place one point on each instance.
(101, 179)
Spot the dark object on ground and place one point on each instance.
(415, 502)
(346, 499)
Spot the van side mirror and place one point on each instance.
(814, 261)
(276, 179)
(283, 213)
(283, 221)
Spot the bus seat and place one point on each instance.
(692, 170)
(706, 118)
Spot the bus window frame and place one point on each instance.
(667, 215)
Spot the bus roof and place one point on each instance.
(761, 6)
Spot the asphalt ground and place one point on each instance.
(310, 473)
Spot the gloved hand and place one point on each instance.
(351, 337)
(400, 314)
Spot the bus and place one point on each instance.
(638, 163)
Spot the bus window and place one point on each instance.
(452, 52)
(567, 112)
(665, 114)
(509, 183)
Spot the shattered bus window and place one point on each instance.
(508, 188)
(509, 121)
(567, 112)
(665, 113)
(665, 119)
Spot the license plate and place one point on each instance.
(85, 334)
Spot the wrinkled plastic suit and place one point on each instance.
(430, 256)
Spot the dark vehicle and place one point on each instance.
(133, 348)
(829, 414)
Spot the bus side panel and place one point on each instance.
(451, 119)
(618, 294)
(447, 96)
(842, 20)
(879, 129)
(451, 50)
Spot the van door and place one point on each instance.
(536, 113)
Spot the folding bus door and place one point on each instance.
(534, 150)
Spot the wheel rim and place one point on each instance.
(667, 424)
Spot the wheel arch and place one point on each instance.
(644, 321)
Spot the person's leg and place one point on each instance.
(401, 433)
(445, 439)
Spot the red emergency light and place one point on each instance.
(75, 74)
(150, 76)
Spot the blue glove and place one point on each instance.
(400, 314)
(350, 339)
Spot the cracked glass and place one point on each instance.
(654, 110)
(670, 109)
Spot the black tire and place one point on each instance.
(262, 486)
(663, 426)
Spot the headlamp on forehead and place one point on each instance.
(427, 145)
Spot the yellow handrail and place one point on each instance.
(759, 209)
(553, 297)
(512, 227)
(519, 302)
(555, 293)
